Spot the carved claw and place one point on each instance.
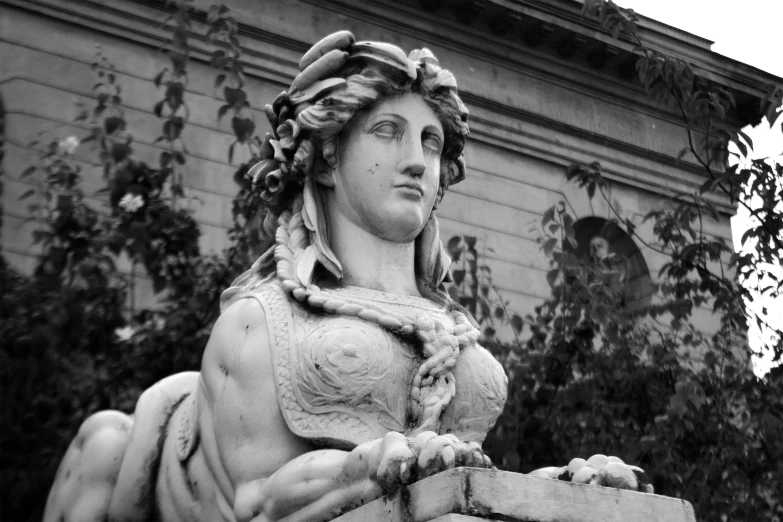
(600, 470)
(397, 461)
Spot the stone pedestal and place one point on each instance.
(468, 494)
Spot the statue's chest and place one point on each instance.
(350, 365)
(342, 381)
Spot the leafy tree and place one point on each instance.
(74, 340)
(597, 376)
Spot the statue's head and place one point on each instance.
(598, 249)
(349, 116)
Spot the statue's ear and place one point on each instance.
(323, 172)
(324, 175)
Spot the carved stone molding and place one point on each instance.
(504, 22)
(532, 24)
(469, 494)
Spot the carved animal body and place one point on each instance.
(339, 382)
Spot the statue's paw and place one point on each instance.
(602, 471)
(435, 452)
(397, 462)
(470, 455)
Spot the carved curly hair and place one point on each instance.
(305, 133)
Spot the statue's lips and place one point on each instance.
(411, 188)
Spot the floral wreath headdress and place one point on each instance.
(322, 89)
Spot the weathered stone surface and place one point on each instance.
(464, 494)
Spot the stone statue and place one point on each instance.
(598, 250)
(339, 369)
(608, 269)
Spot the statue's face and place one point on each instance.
(388, 167)
(599, 249)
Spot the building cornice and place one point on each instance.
(140, 21)
(558, 25)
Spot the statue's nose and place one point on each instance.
(412, 160)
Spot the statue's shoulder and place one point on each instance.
(251, 285)
(249, 316)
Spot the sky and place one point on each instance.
(748, 31)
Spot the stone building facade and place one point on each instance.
(544, 86)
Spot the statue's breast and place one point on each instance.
(352, 366)
(481, 389)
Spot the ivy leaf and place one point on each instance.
(165, 159)
(231, 153)
(159, 77)
(218, 59)
(517, 323)
(232, 95)
(219, 79)
(41, 236)
(591, 190)
(746, 138)
(551, 277)
(222, 111)
(27, 194)
(630, 227)
(243, 128)
(709, 185)
(112, 124)
(548, 216)
(549, 245)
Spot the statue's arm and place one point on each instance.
(270, 472)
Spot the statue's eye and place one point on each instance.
(386, 130)
(432, 143)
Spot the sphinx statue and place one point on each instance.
(339, 369)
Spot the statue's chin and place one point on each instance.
(401, 230)
(400, 223)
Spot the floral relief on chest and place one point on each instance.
(352, 365)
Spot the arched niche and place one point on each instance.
(639, 286)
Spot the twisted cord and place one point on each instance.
(433, 386)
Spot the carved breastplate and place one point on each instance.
(343, 381)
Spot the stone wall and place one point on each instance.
(534, 110)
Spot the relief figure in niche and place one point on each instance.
(608, 270)
(339, 368)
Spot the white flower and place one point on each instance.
(68, 145)
(131, 202)
(124, 333)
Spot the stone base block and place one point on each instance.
(468, 494)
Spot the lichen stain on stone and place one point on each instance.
(479, 509)
(472, 506)
(405, 505)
